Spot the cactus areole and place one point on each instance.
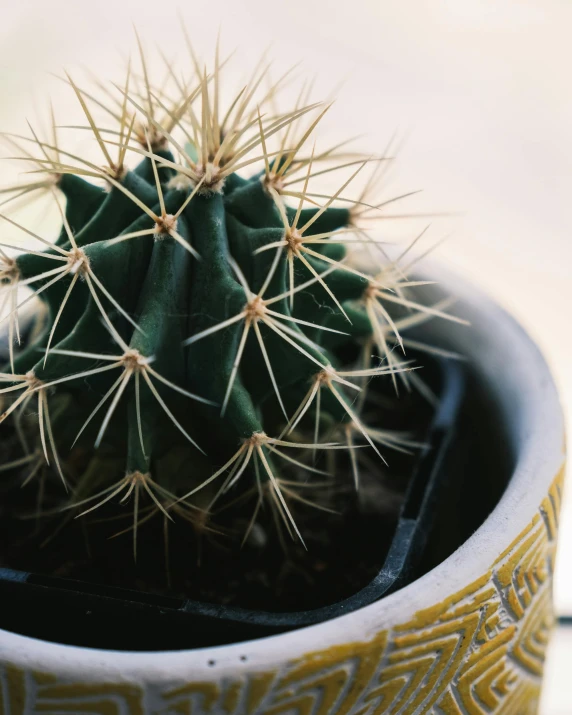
(206, 341)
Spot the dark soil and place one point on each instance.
(345, 550)
(270, 572)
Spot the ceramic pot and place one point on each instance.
(467, 637)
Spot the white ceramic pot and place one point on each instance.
(468, 637)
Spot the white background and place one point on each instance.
(481, 89)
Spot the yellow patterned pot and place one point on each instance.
(468, 637)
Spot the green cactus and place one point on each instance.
(200, 332)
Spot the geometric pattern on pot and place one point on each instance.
(479, 651)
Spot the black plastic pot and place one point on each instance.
(78, 613)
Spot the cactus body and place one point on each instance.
(202, 330)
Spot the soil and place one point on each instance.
(344, 550)
(270, 572)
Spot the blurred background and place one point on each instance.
(477, 91)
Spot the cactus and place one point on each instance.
(205, 326)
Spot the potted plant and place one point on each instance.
(227, 484)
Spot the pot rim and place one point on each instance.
(520, 377)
